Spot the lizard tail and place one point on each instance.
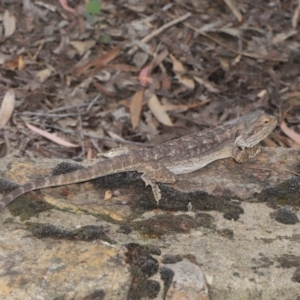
(16, 193)
(111, 166)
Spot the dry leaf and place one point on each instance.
(114, 135)
(287, 96)
(83, 46)
(290, 133)
(81, 88)
(237, 59)
(296, 16)
(175, 107)
(21, 63)
(48, 6)
(65, 5)
(269, 143)
(3, 58)
(103, 76)
(281, 37)
(187, 82)
(125, 102)
(44, 74)
(9, 22)
(179, 69)
(103, 90)
(207, 84)
(7, 107)
(140, 58)
(158, 111)
(183, 107)
(160, 57)
(121, 67)
(136, 108)
(262, 94)
(177, 65)
(165, 81)
(12, 62)
(230, 31)
(63, 44)
(100, 61)
(90, 154)
(233, 7)
(143, 76)
(50, 136)
(224, 64)
(108, 195)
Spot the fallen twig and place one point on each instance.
(101, 138)
(235, 11)
(158, 31)
(231, 49)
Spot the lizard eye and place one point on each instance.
(266, 121)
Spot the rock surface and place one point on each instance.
(71, 242)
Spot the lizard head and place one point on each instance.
(253, 128)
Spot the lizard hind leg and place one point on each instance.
(153, 173)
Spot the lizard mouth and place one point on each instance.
(246, 147)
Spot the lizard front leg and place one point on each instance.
(242, 155)
(154, 172)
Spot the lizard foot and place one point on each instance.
(242, 155)
(154, 172)
(154, 186)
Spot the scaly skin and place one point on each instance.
(238, 139)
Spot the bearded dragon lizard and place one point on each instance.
(238, 139)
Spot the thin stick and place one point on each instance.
(51, 114)
(36, 114)
(69, 107)
(158, 31)
(101, 138)
(81, 137)
(93, 102)
(231, 49)
(235, 11)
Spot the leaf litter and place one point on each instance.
(140, 74)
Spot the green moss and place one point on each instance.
(26, 206)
